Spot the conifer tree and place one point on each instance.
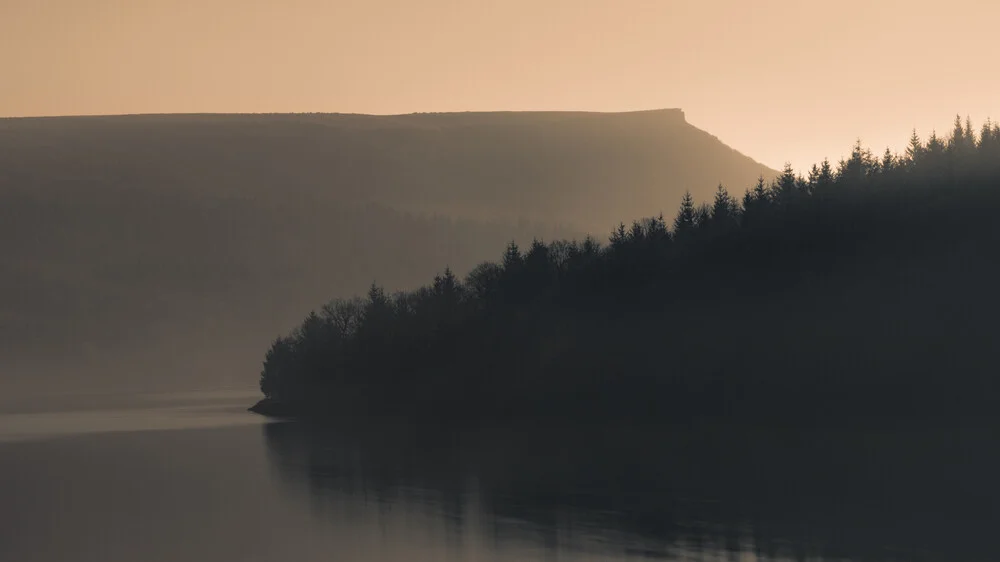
(512, 259)
(786, 185)
(724, 210)
(685, 221)
(755, 203)
(619, 236)
(957, 141)
(914, 150)
(889, 161)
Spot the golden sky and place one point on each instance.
(777, 79)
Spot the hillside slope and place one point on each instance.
(171, 248)
(588, 170)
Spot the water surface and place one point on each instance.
(195, 477)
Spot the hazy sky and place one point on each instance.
(779, 80)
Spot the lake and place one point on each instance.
(194, 477)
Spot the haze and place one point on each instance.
(779, 80)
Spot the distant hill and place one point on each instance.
(588, 170)
(181, 244)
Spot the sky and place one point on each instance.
(780, 80)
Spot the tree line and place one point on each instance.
(853, 287)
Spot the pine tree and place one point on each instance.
(935, 155)
(935, 149)
(656, 229)
(855, 170)
(590, 247)
(724, 209)
(957, 141)
(755, 203)
(447, 292)
(988, 150)
(962, 147)
(619, 236)
(537, 258)
(637, 233)
(914, 151)
(377, 315)
(760, 190)
(702, 216)
(786, 186)
(935, 146)
(813, 176)
(512, 259)
(685, 221)
(376, 296)
(985, 136)
(888, 162)
(447, 285)
(826, 176)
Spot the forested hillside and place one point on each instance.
(865, 290)
(165, 250)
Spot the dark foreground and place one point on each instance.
(666, 492)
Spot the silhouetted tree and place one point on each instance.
(820, 265)
(821, 178)
(483, 280)
(855, 171)
(914, 151)
(785, 188)
(619, 237)
(702, 217)
(888, 165)
(935, 155)
(685, 222)
(755, 204)
(725, 212)
(512, 259)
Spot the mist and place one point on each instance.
(165, 252)
(388, 281)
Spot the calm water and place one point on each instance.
(194, 477)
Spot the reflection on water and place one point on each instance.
(623, 493)
(101, 487)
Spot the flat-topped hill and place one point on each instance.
(588, 170)
(184, 243)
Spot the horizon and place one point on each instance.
(800, 168)
(389, 281)
(779, 81)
